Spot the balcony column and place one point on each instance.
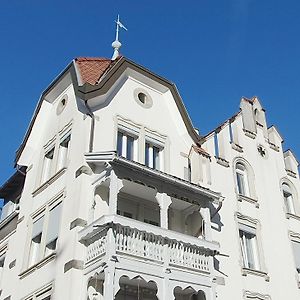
(164, 201)
(205, 213)
(114, 188)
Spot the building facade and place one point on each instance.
(117, 196)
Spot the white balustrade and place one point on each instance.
(150, 246)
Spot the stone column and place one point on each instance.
(115, 185)
(164, 201)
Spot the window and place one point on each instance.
(296, 250)
(44, 234)
(249, 247)
(2, 260)
(288, 199)
(47, 165)
(63, 152)
(126, 146)
(153, 156)
(35, 244)
(242, 180)
(42, 294)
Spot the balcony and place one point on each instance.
(148, 230)
(146, 243)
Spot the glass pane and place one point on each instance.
(249, 249)
(130, 142)
(240, 183)
(54, 222)
(156, 158)
(119, 143)
(147, 154)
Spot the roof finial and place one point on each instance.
(116, 44)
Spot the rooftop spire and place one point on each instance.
(117, 44)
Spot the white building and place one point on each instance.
(116, 196)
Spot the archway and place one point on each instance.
(188, 294)
(136, 289)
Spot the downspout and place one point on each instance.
(90, 114)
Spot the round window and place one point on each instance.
(61, 104)
(143, 98)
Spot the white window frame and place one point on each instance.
(288, 198)
(42, 293)
(63, 152)
(47, 167)
(125, 135)
(295, 238)
(43, 213)
(248, 224)
(3, 253)
(244, 189)
(151, 159)
(249, 246)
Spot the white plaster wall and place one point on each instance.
(274, 235)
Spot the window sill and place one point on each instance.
(291, 173)
(247, 271)
(222, 161)
(293, 216)
(248, 199)
(237, 147)
(273, 146)
(38, 265)
(48, 182)
(250, 134)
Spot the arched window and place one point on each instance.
(242, 180)
(288, 199)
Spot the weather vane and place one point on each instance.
(117, 44)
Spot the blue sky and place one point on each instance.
(216, 51)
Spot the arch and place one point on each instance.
(289, 194)
(95, 287)
(188, 293)
(244, 178)
(136, 288)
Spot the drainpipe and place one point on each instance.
(90, 114)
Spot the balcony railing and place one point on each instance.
(146, 242)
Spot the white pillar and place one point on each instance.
(164, 202)
(115, 185)
(205, 213)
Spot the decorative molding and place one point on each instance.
(254, 295)
(12, 264)
(222, 161)
(38, 265)
(241, 217)
(273, 146)
(83, 170)
(73, 264)
(249, 134)
(294, 235)
(78, 222)
(237, 147)
(291, 173)
(292, 216)
(247, 271)
(242, 198)
(48, 182)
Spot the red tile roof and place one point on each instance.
(92, 68)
